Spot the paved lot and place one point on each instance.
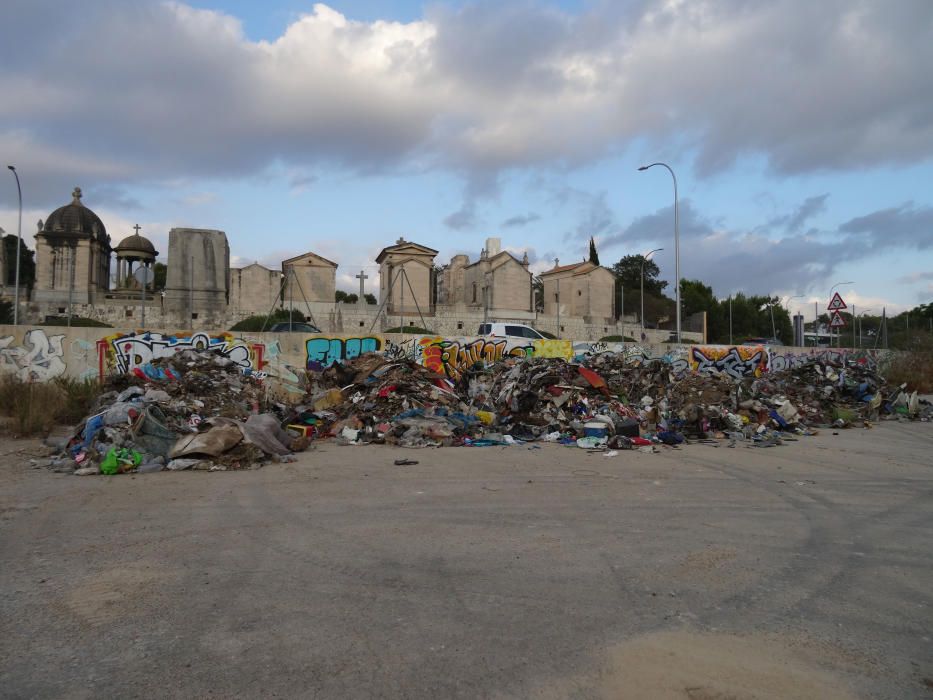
(797, 571)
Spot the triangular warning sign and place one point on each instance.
(837, 320)
(836, 303)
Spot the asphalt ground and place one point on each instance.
(803, 570)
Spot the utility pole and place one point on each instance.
(19, 243)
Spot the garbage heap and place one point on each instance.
(194, 410)
(600, 403)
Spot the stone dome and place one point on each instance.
(136, 244)
(75, 219)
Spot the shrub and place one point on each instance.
(79, 396)
(410, 329)
(255, 324)
(76, 322)
(33, 406)
(913, 367)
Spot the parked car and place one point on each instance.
(509, 330)
(294, 327)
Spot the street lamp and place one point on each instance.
(860, 326)
(831, 290)
(19, 242)
(644, 259)
(676, 241)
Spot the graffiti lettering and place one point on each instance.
(124, 353)
(323, 352)
(736, 361)
(39, 358)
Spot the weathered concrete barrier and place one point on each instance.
(41, 353)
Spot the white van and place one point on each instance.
(509, 330)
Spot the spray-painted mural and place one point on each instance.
(735, 360)
(124, 353)
(322, 352)
(791, 358)
(40, 356)
(38, 359)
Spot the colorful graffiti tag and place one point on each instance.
(452, 356)
(791, 358)
(123, 353)
(322, 352)
(736, 360)
(38, 359)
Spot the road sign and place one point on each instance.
(836, 303)
(143, 275)
(837, 320)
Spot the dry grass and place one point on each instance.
(913, 367)
(34, 408)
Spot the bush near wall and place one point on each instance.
(34, 408)
(76, 322)
(410, 329)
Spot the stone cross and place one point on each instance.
(361, 277)
(136, 228)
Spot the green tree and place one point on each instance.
(537, 287)
(160, 270)
(594, 256)
(27, 263)
(628, 270)
(370, 298)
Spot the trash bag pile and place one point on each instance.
(194, 410)
(601, 403)
(199, 410)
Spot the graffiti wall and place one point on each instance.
(281, 360)
(735, 360)
(39, 358)
(322, 352)
(126, 352)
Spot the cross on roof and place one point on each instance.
(136, 228)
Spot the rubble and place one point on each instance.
(199, 410)
(194, 410)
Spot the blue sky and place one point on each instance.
(801, 133)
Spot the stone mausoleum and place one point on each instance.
(79, 272)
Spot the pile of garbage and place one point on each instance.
(601, 403)
(194, 410)
(199, 410)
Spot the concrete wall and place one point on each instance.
(43, 353)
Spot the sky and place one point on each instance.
(800, 133)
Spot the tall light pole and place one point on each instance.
(644, 259)
(860, 326)
(676, 241)
(19, 243)
(831, 290)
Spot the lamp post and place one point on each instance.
(860, 326)
(831, 290)
(19, 242)
(644, 259)
(676, 241)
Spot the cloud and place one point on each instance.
(811, 207)
(141, 92)
(904, 225)
(765, 259)
(915, 277)
(520, 220)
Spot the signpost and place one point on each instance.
(836, 304)
(144, 276)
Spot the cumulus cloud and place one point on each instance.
(148, 91)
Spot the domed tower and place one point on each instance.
(72, 255)
(134, 250)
